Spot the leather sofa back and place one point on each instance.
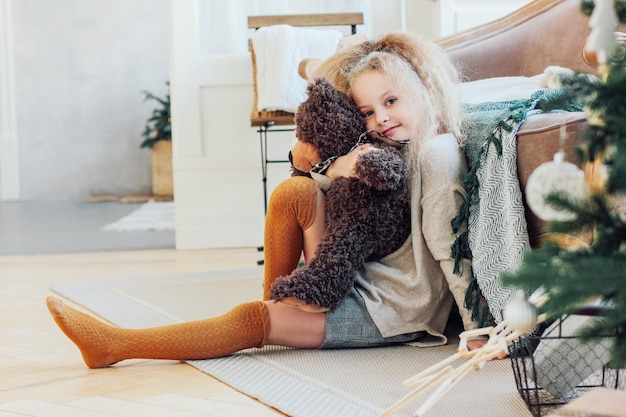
(524, 43)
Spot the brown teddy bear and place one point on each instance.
(367, 218)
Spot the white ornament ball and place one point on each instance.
(554, 176)
(520, 314)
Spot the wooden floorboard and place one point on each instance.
(43, 373)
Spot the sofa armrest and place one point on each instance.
(308, 66)
(537, 141)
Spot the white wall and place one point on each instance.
(76, 69)
(436, 18)
(457, 15)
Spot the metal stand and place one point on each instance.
(263, 131)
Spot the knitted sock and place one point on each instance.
(101, 345)
(291, 210)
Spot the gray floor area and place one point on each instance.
(37, 228)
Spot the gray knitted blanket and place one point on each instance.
(496, 236)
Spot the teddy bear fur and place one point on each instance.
(366, 217)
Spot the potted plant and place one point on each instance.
(158, 137)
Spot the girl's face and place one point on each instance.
(383, 105)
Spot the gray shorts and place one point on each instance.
(351, 326)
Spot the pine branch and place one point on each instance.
(571, 277)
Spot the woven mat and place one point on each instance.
(152, 215)
(300, 383)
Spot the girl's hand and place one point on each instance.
(480, 343)
(309, 308)
(345, 165)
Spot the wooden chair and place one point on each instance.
(271, 121)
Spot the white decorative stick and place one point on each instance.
(450, 383)
(523, 319)
(425, 373)
(411, 396)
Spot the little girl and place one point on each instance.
(405, 88)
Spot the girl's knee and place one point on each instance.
(295, 197)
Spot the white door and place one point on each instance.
(9, 151)
(217, 170)
(218, 188)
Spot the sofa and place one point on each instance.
(541, 34)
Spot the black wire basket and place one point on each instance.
(554, 366)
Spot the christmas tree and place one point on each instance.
(571, 275)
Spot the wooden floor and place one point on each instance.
(42, 373)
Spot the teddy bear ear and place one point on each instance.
(304, 155)
(328, 119)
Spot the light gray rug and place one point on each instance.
(152, 215)
(300, 383)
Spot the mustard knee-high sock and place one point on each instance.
(291, 210)
(101, 345)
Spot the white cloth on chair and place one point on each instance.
(279, 49)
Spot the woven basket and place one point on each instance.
(162, 178)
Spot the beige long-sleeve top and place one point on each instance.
(413, 288)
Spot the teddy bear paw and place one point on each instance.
(309, 291)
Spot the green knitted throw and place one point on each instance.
(491, 130)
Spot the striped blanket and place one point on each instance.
(496, 236)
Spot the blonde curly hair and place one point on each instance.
(413, 63)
